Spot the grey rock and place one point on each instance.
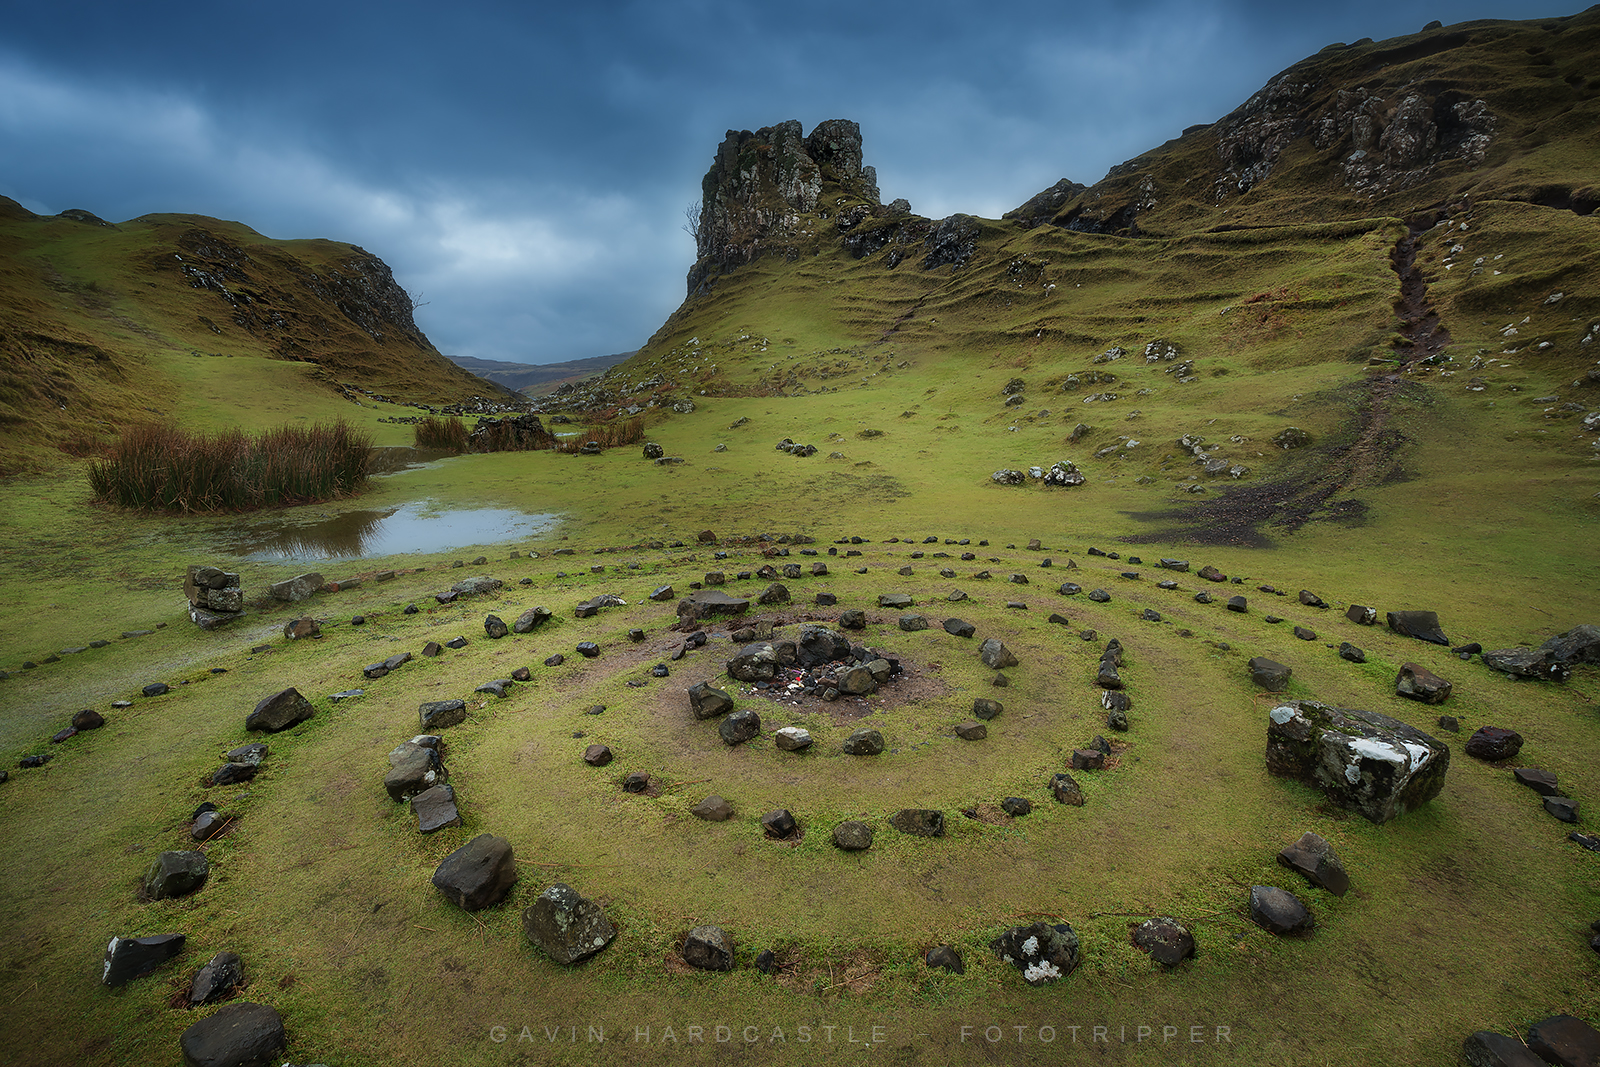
(712, 809)
(739, 727)
(864, 742)
(1043, 953)
(435, 809)
(477, 874)
(438, 714)
(1540, 781)
(1363, 760)
(959, 628)
(709, 702)
(1279, 911)
(709, 948)
(1016, 806)
(1423, 625)
(792, 738)
(476, 586)
(532, 619)
(995, 654)
(566, 926)
(296, 589)
(1350, 652)
(1066, 789)
(1269, 675)
(754, 663)
(852, 836)
(1494, 743)
(216, 979)
(127, 958)
(919, 822)
(280, 711)
(175, 874)
(913, 623)
(238, 1035)
(1418, 683)
(412, 769)
(1313, 857)
(1563, 808)
(1167, 941)
(1488, 1049)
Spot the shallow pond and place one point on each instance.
(414, 527)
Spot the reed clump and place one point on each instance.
(446, 435)
(166, 468)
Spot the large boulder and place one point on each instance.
(238, 1035)
(568, 927)
(1363, 760)
(280, 711)
(1043, 953)
(478, 874)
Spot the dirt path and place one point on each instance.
(1367, 455)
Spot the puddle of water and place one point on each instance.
(360, 534)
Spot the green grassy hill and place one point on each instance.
(192, 319)
(1430, 326)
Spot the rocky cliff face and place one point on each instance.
(762, 183)
(1384, 127)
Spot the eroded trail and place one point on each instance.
(1366, 454)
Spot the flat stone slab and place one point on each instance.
(704, 602)
(238, 1035)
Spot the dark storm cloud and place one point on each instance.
(525, 167)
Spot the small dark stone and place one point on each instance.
(1350, 652)
(1540, 781)
(1563, 808)
(555, 661)
(127, 958)
(1016, 806)
(216, 979)
(1494, 743)
(1278, 911)
(946, 958)
(779, 824)
(709, 948)
(88, 719)
(635, 782)
(1066, 789)
(959, 628)
(1450, 722)
(1167, 941)
(864, 742)
(597, 755)
(767, 961)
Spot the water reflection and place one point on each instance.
(408, 528)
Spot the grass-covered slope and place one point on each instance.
(181, 317)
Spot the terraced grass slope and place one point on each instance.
(1448, 468)
(174, 316)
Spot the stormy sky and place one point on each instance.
(524, 166)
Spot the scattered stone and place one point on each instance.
(1099, 596)
(779, 824)
(478, 874)
(945, 958)
(1269, 675)
(913, 623)
(154, 689)
(919, 822)
(438, 714)
(296, 589)
(1565, 1040)
(1563, 808)
(597, 755)
(1350, 652)
(1486, 1048)
(1088, 759)
(175, 874)
(739, 727)
(566, 926)
(1313, 857)
(1361, 616)
(1043, 953)
(995, 654)
(712, 809)
(708, 948)
(708, 702)
(1278, 911)
(280, 711)
(1166, 940)
(1494, 743)
(241, 1034)
(1527, 663)
(1423, 625)
(959, 628)
(635, 782)
(1311, 600)
(1066, 789)
(1016, 806)
(216, 979)
(1540, 781)
(435, 809)
(127, 958)
(852, 836)
(1363, 760)
(864, 742)
(555, 661)
(792, 738)
(456, 642)
(413, 768)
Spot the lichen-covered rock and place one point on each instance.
(708, 948)
(1363, 760)
(566, 926)
(754, 663)
(1043, 953)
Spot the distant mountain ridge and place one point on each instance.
(524, 377)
